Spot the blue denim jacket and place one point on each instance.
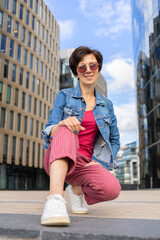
(69, 102)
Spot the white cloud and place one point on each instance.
(119, 74)
(111, 16)
(127, 121)
(66, 28)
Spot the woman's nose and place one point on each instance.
(88, 68)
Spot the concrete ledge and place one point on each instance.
(28, 227)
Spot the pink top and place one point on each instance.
(87, 137)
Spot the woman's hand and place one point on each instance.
(71, 123)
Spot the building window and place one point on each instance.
(19, 123)
(33, 22)
(1, 90)
(47, 89)
(13, 149)
(6, 4)
(19, 53)
(21, 76)
(37, 128)
(41, 69)
(29, 39)
(45, 17)
(31, 3)
(11, 120)
(25, 124)
(33, 83)
(33, 154)
(14, 73)
(40, 109)
(8, 100)
(21, 152)
(9, 22)
(46, 36)
(23, 34)
(39, 151)
(36, 65)
(41, 10)
(27, 17)
(11, 48)
(14, 7)
(35, 106)
(35, 43)
(16, 31)
(27, 152)
(50, 41)
(36, 9)
(38, 27)
(48, 111)
(39, 48)
(5, 148)
(43, 32)
(29, 103)
(44, 52)
(1, 19)
(27, 80)
(50, 95)
(31, 61)
(49, 75)
(25, 1)
(23, 100)
(46, 73)
(31, 126)
(6, 68)
(38, 86)
(21, 12)
(25, 57)
(43, 86)
(44, 113)
(3, 117)
(3, 43)
(16, 97)
(48, 56)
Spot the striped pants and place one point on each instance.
(97, 183)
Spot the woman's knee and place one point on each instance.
(111, 190)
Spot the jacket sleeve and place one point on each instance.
(114, 133)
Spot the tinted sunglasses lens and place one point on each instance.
(93, 66)
(82, 69)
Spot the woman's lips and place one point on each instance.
(89, 76)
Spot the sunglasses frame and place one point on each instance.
(83, 69)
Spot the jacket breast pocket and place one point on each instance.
(71, 111)
(107, 122)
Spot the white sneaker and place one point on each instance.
(55, 212)
(77, 202)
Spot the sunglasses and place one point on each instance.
(93, 66)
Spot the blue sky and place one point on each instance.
(106, 26)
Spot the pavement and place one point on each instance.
(133, 215)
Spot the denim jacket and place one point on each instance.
(69, 102)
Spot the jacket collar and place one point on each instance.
(77, 94)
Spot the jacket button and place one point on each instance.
(82, 109)
(82, 100)
(80, 119)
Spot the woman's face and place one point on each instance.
(88, 70)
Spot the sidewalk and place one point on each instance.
(134, 215)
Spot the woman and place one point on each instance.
(82, 140)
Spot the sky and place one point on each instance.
(104, 25)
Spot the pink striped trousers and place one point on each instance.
(97, 183)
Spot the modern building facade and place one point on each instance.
(128, 161)
(68, 80)
(146, 46)
(29, 82)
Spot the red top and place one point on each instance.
(87, 137)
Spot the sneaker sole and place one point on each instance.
(75, 211)
(55, 221)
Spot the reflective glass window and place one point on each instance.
(25, 57)
(11, 120)
(16, 31)
(3, 43)
(13, 149)
(29, 39)
(33, 22)
(27, 80)
(14, 6)
(25, 124)
(31, 126)
(35, 106)
(27, 17)
(41, 69)
(29, 103)
(38, 27)
(8, 99)
(21, 12)
(23, 100)
(5, 148)
(1, 90)
(33, 83)
(37, 128)
(6, 4)
(38, 86)
(42, 32)
(36, 65)
(1, 19)
(39, 48)
(3, 117)
(41, 10)
(11, 51)
(19, 122)
(9, 24)
(21, 76)
(36, 9)
(31, 61)
(40, 109)
(35, 44)
(14, 73)
(19, 53)
(6, 68)
(23, 34)
(31, 3)
(16, 97)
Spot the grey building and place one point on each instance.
(29, 82)
(146, 47)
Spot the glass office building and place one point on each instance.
(29, 82)
(146, 47)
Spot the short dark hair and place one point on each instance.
(79, 53)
